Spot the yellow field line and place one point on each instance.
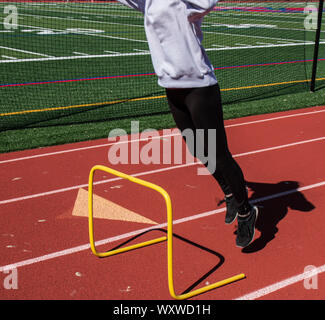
(143, 99)
(270, 84)
(77, 106)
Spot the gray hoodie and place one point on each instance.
(173, 30)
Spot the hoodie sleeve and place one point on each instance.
(138, 5)
(197, 9)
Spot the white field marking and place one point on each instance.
(243, 18)
(284, 41)
(147, 53)
(272, 15)
(243, 44)
(281, 284)
(80, 57)
(7, 57)
(140, 50)
(217, 45)
(162, 136)
(63, 10)
(245, 15)
(143, 173)
(25, 51)
(250, 26)
(81, 53)
(94, 21)
(136, 232)
(279, 28)
(114, 52)
(261, 46)
(93, 13)
(263, 43)
(208, 24)
(75, 31)
(260, 37)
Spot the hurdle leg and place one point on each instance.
(170, 268)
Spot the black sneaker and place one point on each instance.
(232, 208)
(246, 228)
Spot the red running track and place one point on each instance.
(282, 156)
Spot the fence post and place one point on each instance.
(316, 48)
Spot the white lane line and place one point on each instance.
(282, 284)
(84, 148)
(276, 118)
(162, 136)
(47, 193)
(279, 147)
(136, 232)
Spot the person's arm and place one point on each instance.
(202, 4)
(197, 9)
(138, 5)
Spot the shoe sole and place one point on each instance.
(253, 231)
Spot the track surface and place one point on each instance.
(281, 154)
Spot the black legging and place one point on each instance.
(201, 108)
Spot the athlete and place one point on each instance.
(173, 31)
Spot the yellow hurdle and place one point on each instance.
(169, 237)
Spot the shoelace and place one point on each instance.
(226, 200)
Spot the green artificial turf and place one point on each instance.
(73, 72)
